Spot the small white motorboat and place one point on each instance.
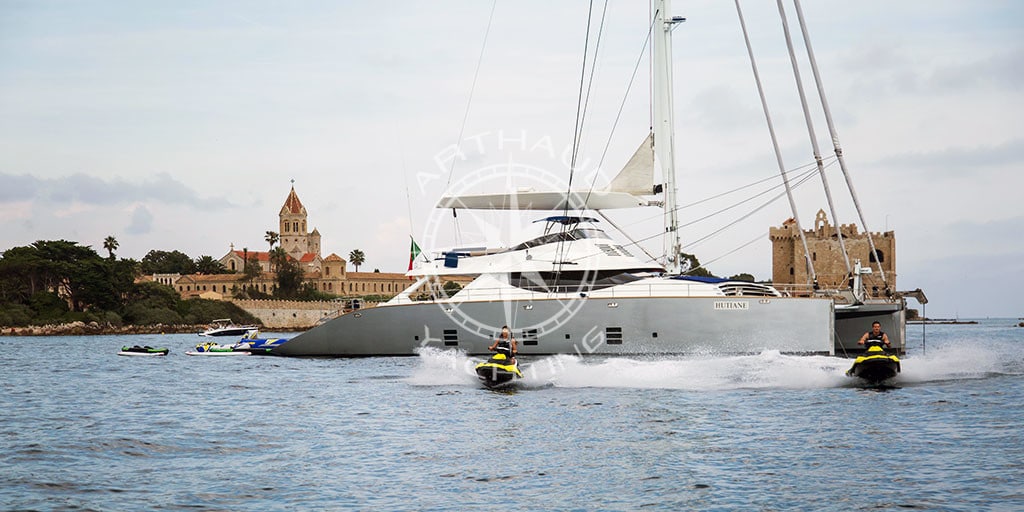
(225, 327)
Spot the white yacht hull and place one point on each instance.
(648, 325)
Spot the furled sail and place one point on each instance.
(634, 180)
(553, 201)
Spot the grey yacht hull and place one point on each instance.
(647, 325)
(853, 321)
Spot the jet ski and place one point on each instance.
(259, 346)
(142, 351)
(875, 365)
(498, 371)
(214, 349)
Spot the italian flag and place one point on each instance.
(414, 251)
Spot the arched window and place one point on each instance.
(233, 265)
(877, 257)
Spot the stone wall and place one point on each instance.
(290, 315)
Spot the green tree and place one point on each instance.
(252, 268)
(691, 266)
(71, 269)
(277, 257)
(743, 277)
(207, 265)
(154, 295)
(23, 272)
(164, 262)
(451, 288)
(289, 278)
(111, 245)
(356, 258)
(272, 238)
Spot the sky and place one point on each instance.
(181, 125)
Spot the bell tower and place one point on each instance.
(292, 228)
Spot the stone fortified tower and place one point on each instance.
(788, 266)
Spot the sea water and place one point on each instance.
(84, 429)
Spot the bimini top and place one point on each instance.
(566, 219)
(701, 279)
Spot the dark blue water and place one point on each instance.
(82, 428)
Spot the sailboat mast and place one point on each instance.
(664, 127)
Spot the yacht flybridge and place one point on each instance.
(572, 288)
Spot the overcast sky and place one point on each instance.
(180, 125)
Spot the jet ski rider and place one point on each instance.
(505, 344)
(875, 337)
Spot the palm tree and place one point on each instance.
(272, 238)
(356, 257)
(110, 244)
(277, 257)
(207, 265)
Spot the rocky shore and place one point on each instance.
(82, 328)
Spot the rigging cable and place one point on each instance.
(801, 170)
(813, 137)
(581, 106)
(622, 106)
(803, 178)
(835, 137)
(811, 276)
(465, 116)
(799, 182)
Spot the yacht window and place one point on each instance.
(569, 281)
(561, 236)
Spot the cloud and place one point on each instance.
(1002, 70)
(954, 160)
(17, 188)
(92, 190)
(141, 223)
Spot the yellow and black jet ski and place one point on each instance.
(875, 365)
(498, 371)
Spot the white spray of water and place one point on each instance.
(767, 370)
(438, 367)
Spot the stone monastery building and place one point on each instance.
(329, 274)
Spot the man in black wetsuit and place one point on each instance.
(505, 344)
(875, 337)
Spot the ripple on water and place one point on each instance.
(394, 433)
